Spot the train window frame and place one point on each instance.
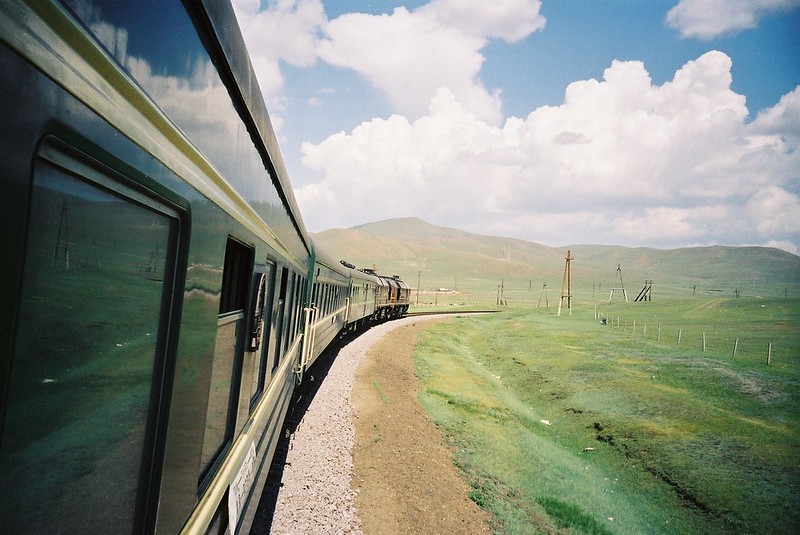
(237, 275)
(298, 309)
(259, 297)
(291, 306)
(280, 318)
(88, 163)
(262, 367)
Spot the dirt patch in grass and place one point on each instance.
(403, 470)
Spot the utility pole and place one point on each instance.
(543, 294)
(647, 292)
(501, 299)
(566, 286)
(621, 286)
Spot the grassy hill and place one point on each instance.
(475, 265)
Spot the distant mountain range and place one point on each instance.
(441, 257)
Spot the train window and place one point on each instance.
(257, 317)
(235, 276)
(292, 307)
(299, 308)
(298, 305)
(279, 340)
(89, 363)
(223, 395)
(260, 369)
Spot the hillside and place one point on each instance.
(449, 258)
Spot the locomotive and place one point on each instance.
(161, 297)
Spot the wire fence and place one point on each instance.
(770, 347)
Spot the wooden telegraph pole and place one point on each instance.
(621, 286)
(647, 292)
(566, 286)
(543, 294)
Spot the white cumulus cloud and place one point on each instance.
(409, 55)
(406, 55)
(285, 30)
(629, 160)
(510, 20)
(706, 19)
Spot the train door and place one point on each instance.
(230, 343)
(88, 378)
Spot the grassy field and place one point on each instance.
(562, 423)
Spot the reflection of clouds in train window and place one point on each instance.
(198, 103)
(175, 70)
(200, 106)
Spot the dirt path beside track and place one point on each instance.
(403, 471)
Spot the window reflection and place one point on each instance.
(83, 361)
(230, 343)
(157, 44)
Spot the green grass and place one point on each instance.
(571, 516)
(562, 423)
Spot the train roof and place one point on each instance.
(341, 266)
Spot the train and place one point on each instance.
(161, 296)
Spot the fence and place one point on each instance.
(717, 340)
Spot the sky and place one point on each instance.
(659, 123)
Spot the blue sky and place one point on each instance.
(663, 123)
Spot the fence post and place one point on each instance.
(735, 345)
(658, 335)
(704, 342)
(680, 331)
(769, 354)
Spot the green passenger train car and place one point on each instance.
(159, 295)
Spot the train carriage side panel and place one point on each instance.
(361, 304)
(193, 217)
(329, 307)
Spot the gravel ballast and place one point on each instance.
(315, 493)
